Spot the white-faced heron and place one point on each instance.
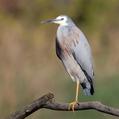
(73, 49)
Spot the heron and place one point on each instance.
(74, 51)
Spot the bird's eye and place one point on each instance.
(62, 18)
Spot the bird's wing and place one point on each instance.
(82, 54)
(58, 49)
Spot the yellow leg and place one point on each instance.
(75, 102)
(77, 90)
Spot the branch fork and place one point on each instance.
(47, 102)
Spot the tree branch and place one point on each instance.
(47, 102)
(31, 108)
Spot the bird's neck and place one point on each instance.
(63, 24)
(63, 31)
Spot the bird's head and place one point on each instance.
(61, 20)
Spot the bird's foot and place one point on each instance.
(72, 105)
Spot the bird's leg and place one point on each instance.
(75, 102)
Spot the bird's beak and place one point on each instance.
(50, 21)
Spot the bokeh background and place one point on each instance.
(29, 67)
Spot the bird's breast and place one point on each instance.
(68, 39)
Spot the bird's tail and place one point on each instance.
(88, 88)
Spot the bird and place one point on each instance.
(74, 51)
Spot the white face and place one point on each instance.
(62, 20)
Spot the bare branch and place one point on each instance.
(47, 102)
(31, 108)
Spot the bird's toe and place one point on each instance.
(72, 105)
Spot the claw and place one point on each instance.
(72, 105)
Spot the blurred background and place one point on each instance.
(29, 67)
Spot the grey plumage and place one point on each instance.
(74, 51)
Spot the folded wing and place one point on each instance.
(82, 54)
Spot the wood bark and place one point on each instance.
(47, 102)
